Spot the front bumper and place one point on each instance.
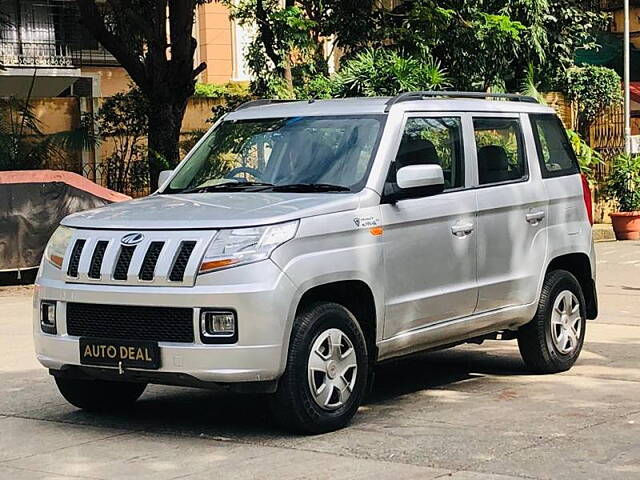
(260, 293)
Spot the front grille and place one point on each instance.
(160, 258)
(124, 260)
(96, 260)
(74, 261)
(180, 265)
(123, 322)
(150, 260)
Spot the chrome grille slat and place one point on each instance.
(124, 260)
(180, 263)
(150, 260)
(74, 261)
(160, 258)
(96, 259)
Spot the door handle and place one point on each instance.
(462, 229)
(534, 217)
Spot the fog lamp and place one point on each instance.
(217, 326)
(48, 317)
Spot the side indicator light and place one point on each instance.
(376, 231)
(56, 260)
(215, 264)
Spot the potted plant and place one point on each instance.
(624, 186)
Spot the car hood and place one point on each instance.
(211, 210)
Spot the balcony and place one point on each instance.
(35, 54)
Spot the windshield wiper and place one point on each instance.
(231, 186)
(310, 187)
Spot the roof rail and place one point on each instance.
(407, 96)
(260, 102)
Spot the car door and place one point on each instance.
(512, 212)
(430, 241)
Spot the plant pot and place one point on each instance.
(626, 225)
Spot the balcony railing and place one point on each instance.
(35, 54)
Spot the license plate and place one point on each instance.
(113, 353)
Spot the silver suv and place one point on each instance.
(300, 243)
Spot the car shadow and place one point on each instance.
(221, 415)
(424, 371)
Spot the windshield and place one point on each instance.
(324, 154)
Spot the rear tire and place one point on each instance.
(552, 341)
(327, 371)
(99, 395)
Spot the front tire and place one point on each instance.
(326, 373)
(552, 341)
(99, 395)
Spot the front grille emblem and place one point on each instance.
(132, 239)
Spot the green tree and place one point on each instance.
(593, 89)
(124, 119)
(481, 44)
(486, 44)
(152, 40)
(294, 40)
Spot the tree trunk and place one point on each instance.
(165, 122)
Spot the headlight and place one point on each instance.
(57, 246)
(245, 245)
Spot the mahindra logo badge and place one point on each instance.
(132, 239)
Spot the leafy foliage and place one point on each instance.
(588, 158)
(280, 32)
(231, 95)
(480, 45)
(571, 25)
(593, 89)
(123, 120)
(624, 182)
(382, 72)
(152, 40)
(212, 90)
(531, 88)
(190, 140)
(294, 42)
(476, 46)
(23, 144)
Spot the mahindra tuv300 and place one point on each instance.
(300, 243)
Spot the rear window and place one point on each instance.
(500, 150)
(554, 150)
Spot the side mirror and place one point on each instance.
(420, 176)
(416, 181)
(164, 176)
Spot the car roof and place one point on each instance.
(378, 105)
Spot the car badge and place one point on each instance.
(132, 239)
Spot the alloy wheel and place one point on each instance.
(566, 322)
(332, 369)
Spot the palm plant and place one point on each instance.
(23, 144)
(381, 72)
(530, 87)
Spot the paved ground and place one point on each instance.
(467, 413)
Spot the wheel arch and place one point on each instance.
(354, 295)
(579, 265)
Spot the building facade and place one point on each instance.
(46, 52)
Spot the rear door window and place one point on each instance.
(554, 149)
(500, 150)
